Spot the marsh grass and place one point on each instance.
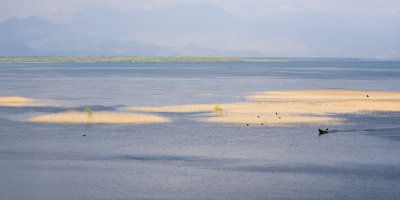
(100, 118)
(15, 101)
(275, 121)
(176, 108)
(325, 95)
(293, 107)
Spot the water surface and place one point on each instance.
(189, 159)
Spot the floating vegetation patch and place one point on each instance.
(274, 121)
(325, 95)
(177, 109)
(15, 101)
(292, 107)
(100, 118)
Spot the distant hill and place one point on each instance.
(12, 48)
(197, 29)
(108, 32)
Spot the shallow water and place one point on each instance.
(189, 159)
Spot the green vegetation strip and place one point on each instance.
(131, 59)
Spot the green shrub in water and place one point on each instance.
(218, 110)
(89, 112)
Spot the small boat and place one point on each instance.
(323, 131)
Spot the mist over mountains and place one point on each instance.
(201, 30)
(109, 32)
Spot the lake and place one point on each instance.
(188, 158)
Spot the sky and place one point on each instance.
(289, 28)
(255, 9)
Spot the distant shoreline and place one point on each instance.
(167, 59)
(131, 60)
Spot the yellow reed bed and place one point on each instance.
(100, 118)
(177, 108)
(293, 107)
(15, 101)
(271, 120)
(325, 95)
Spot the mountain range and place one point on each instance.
(201, 30)
(108, 32)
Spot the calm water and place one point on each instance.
(189, 159)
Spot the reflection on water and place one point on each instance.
(188, 159)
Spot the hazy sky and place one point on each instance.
(316, 28)
(241, 8)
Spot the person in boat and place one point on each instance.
(323, 131)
